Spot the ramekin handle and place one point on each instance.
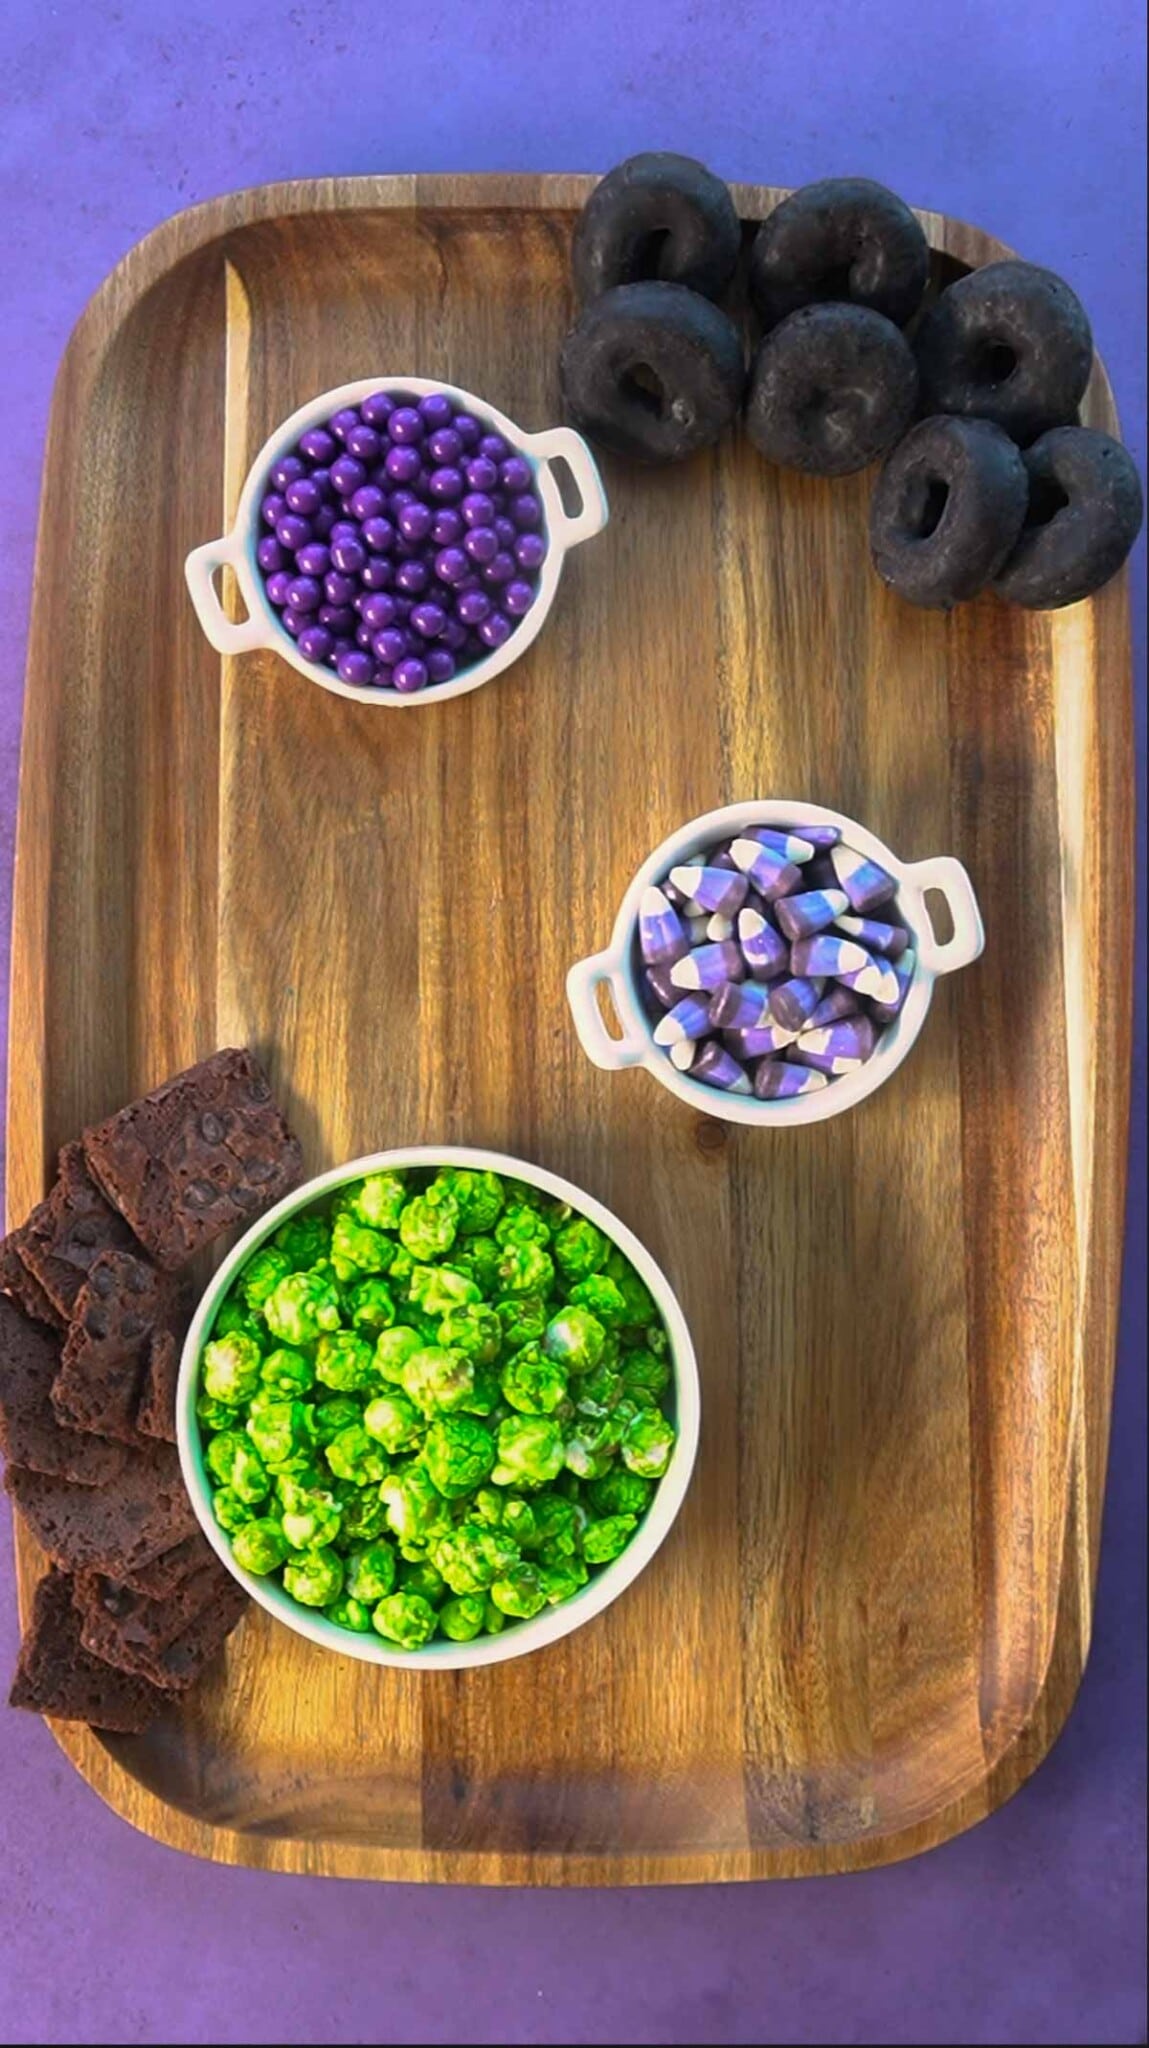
(967, 940)
(583, 982)
(563, 444)
(226, 635)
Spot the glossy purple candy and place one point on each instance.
(316, 643)
(270, 554)
(304, 594)
(347, 476)
(406, 425)
(377, 573)
(473, 607)
(356, 667)
(501, 570)
(436, 411)
(314, 559)
(530, 551)
(515, 475)
(482, 475)
(364, 444)
(415, 520)
(318, 445)
(277, 586)
(495, 630)
(518, 597)
(440, 664)
(412, 577)
(410, 675)
(287, 470)
(292, 532)
(403, 464)
(445, 447)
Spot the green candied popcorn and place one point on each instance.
(461, 1617)
(345, 1362)
(568, 1486)
(355, 1455)
(562, 1578)
(598, 1391)
(220, 1454)
(303, 1306)
(231, 1368)
(406, 1619)
(311, 1516)
(393, 1348)
(419, 1576)
(371, 1306)
(438, 1381)
(230, 1511)
(248, 1476)
(234, 1319)
(523, 1319)
(494, 1620)
(262, 1273)
(378, 1201)
(287, 1372)
(356, 1249)
(371, 1572)
(488, 1506)
(436, 1289)
(303, 1240)
(579, 1250)
(281, 1431)
(485, 1396)
(330, 1416)
(645, 1376)
(213, 1414)
(362, 1519)
(523, 1194)
(399, 1272)
(639, 1301)
(348, 1613)
(479, 1257)
(292, 1486)
(472, 1555)
(315, 1578)
(458, 1454)
(603, 1297)
(530, 1451)
(619, 1492)
(519, 1592)
(260, 1547)
(518, 1521)
(521, 1225)
(532, 1383)
(526, 1269)
(474, 1330)
(587, 1450)
(428, 1224)
(602, 1541)
(647, 1443)
(416, 1512)
(575, 1338)
(557, 1526)
(394, 1422)
(478, 1195)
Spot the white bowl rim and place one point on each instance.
(554, 1622)
(616, 964)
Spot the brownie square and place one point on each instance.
(156, 1414)
(102, 1370)
(115, 1528)
(203, 1152)
(178, 1664)
(117, 1619)
(56, 1675)
(23, 1286)
(161, 1575)
(68, 1230)
(29, 1431)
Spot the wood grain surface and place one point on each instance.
(871, 1617)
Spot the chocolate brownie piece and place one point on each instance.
(29, 1431)
(56, 1675)
(67, 1231)
(23, 1286)
(101, 1376)
(161, 1575)
(203, 1152)
(116, 1618)
(178, 1663)
(112, 1528)
(156, 1414)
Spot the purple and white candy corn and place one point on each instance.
(738, 1005)
(661, 987)
(771, 873)
(759, 1041)
(884, 1010)
(837, 1002)
(812, 910)
(793, 1002)
(836, 1048)
(876, 979)
(890, 939)
(788, 844)
(762, 947)
(845, 961)
(690, 1018)
(719, 927)
(774, 1080)
(709, 966)
(712, 889)
(714, 1064)
(865, 883)
(682, 1054)
(819, 835)
(662, 936)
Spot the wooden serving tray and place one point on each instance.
(870, 1620)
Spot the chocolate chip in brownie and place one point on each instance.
(67, 1232)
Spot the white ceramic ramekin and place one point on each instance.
(236, 550)
(519, 1636)
(620, 967)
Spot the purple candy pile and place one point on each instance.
(403, 541)
(773, 961)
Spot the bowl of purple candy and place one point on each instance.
(773, 962)
(398, 540)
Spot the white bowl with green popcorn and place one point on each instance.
(437, 1408)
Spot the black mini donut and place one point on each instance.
(843, 239)
(653, 371)
(831, 389)
(1085, 511)
(946, 510)
(1010, 343)
(657, 217)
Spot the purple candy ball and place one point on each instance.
(293, 532)
(342, 422)
(348, 555)
(403, 464)
(339, 588)
(428, 620)
(445, 446)
(362, 636)
(293, 622)
(440, 664)
(505, 531)
(368, 502)
(318, 446)
(377, 409)
(526, 512)
(323, 521)
(364, 444)
(314, 559)
(500, 568)
(347, 475)
(481, 473)
(447, 527)
(269, 554)
(342, 645)
(321, 478)
(530, 551)
(277, 586)
(377, 573)
(494, 630)
(436, 410)
(412, 577)
(516, 475)
(356, 666)
(390, 645)
(473, 606)
(415, 521)
(453, 635)
(494, 448)
(409, 675)
(379, 534)
(304, 594)
(304, 495)
(445, 485)
(272, 509)
(345, 529)
(477, 509)
(287, 470)
(451, 565)
(378, 610)
(405, 425)
(518, 597)
(339, 618)
(482, 544)
(468, 429)
(316, 643)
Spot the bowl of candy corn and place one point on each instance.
(773, 962)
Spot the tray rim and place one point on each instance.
(98, 1761)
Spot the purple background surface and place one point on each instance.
(1027, 119)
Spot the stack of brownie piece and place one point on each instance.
(92, 1317)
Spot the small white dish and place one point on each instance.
(620, 967)
(521, 1636)
(236, 550)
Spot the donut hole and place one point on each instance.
(994, 362)
(924, 506)
(643, 386)
(837, 283)
(1046, 499)
(650, 255)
